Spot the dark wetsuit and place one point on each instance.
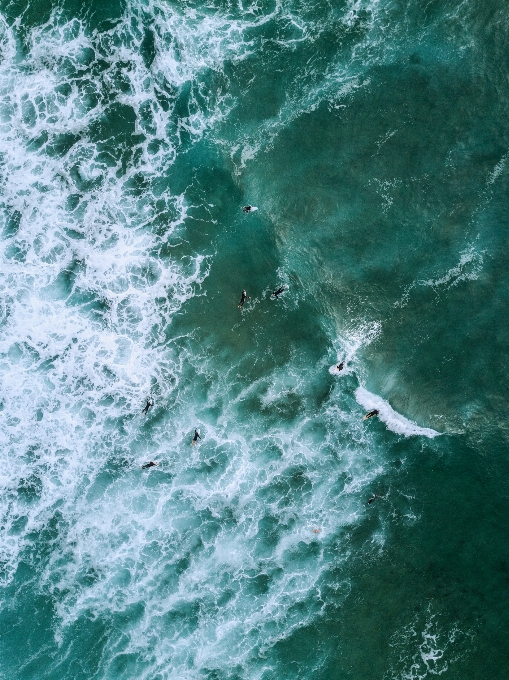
(148, 465)
(196, 436)
(247, 208)
(340, 366)
(147, 406)
(372, 413)
(278, 292)
(243, 298)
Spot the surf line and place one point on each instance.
(394, 420)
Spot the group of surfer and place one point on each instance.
(243, 298)
(154, 463)
(250, 208)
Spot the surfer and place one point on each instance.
(278, 292)
(147, 406)
(149, 465)
(371, 414)
(247, 208)
(243, 298)
(196, 437)
(373, 497)
(340, 366)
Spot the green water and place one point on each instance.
(372, 139)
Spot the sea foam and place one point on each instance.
(212, 559)
(394, 420)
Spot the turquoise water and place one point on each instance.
(372, 138)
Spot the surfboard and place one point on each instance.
(369, 415)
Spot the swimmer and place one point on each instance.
(340, 366)
(278, 292)
(243, 298)
(196, 437)
(317, 531)
(147, 406)
(149, 465)
(371, 414)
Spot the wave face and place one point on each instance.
(367, 134)
(394, 421)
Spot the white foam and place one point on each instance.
(467, 269)
(75, 376)
(394, 421)
(498, 169)
(61, 360)
(427, 646)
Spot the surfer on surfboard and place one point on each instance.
(243, 298)
(249, 208)
(371, 414)
(340, 366)
(278, 292)
(149, 465)
(196, 437)
(147, 406)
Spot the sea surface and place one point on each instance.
(373, 137)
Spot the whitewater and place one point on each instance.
(223, 550)
(131, 135)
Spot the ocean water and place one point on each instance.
(372, 137)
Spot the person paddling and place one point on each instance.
(149, 465)
(147, 406)
(371, 414)
(243, 298)
(278, 292)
